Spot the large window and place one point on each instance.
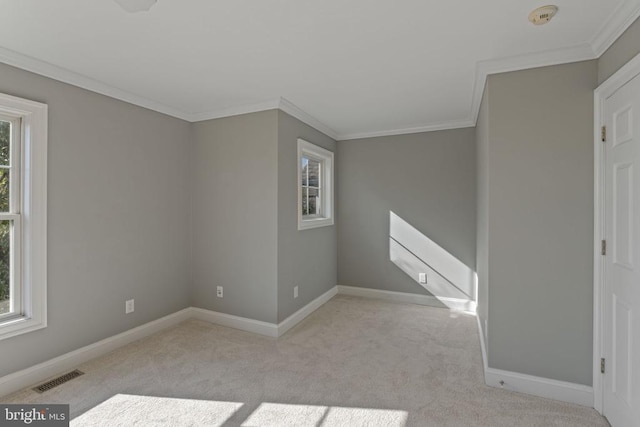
(315, 186)
(23, 185)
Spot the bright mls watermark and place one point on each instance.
(34, 415)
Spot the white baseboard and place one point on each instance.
(42, 371)
(403, 297)
(243, 323)
(483, 346)
(537, 386)
(552, 389)
(299, 315)
(263, 328)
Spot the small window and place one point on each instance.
(315, 186)
(23, 234)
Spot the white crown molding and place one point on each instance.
(607, 34)
(46, 69)
(483, 70)
(624, 15)
(456, 124)
(522, 62)
(612, 28)
(291, 109)
(272, 104)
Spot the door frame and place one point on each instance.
(604, 91)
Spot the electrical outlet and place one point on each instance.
(422, 277)
(219, 292)
(129, 306)
(295, 292)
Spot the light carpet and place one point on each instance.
(353, 362)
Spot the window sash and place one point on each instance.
(319, 212)
(319, 202)
(16, 308)
(14, 162)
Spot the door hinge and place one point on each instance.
(602, 365)
(603, 247)
(604, 134)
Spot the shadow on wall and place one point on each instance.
(448, 279)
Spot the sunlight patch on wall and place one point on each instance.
(415, 253)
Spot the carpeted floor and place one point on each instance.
(352, 362)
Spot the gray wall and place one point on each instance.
(235, 208)
(306, 258)
(118, 217)
(121, 182)
(540, 221)
(482, 212)
(622, 51)
(427, 179)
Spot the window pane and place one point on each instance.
(5, 263)
(305, 165)
(305, 208)
(314, 173)
(5, 142)
(314, 201)
(4, 190)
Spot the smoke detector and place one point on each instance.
(543, 14)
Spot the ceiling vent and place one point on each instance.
(543, 14)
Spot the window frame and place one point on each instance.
(325, 186)
(28, 210)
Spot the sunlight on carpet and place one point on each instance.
(130, 410)
(273, 414)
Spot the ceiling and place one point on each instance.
(350, 68)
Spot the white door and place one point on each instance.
(621, 391)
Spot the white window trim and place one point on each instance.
(325, 219)
(33, 213)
